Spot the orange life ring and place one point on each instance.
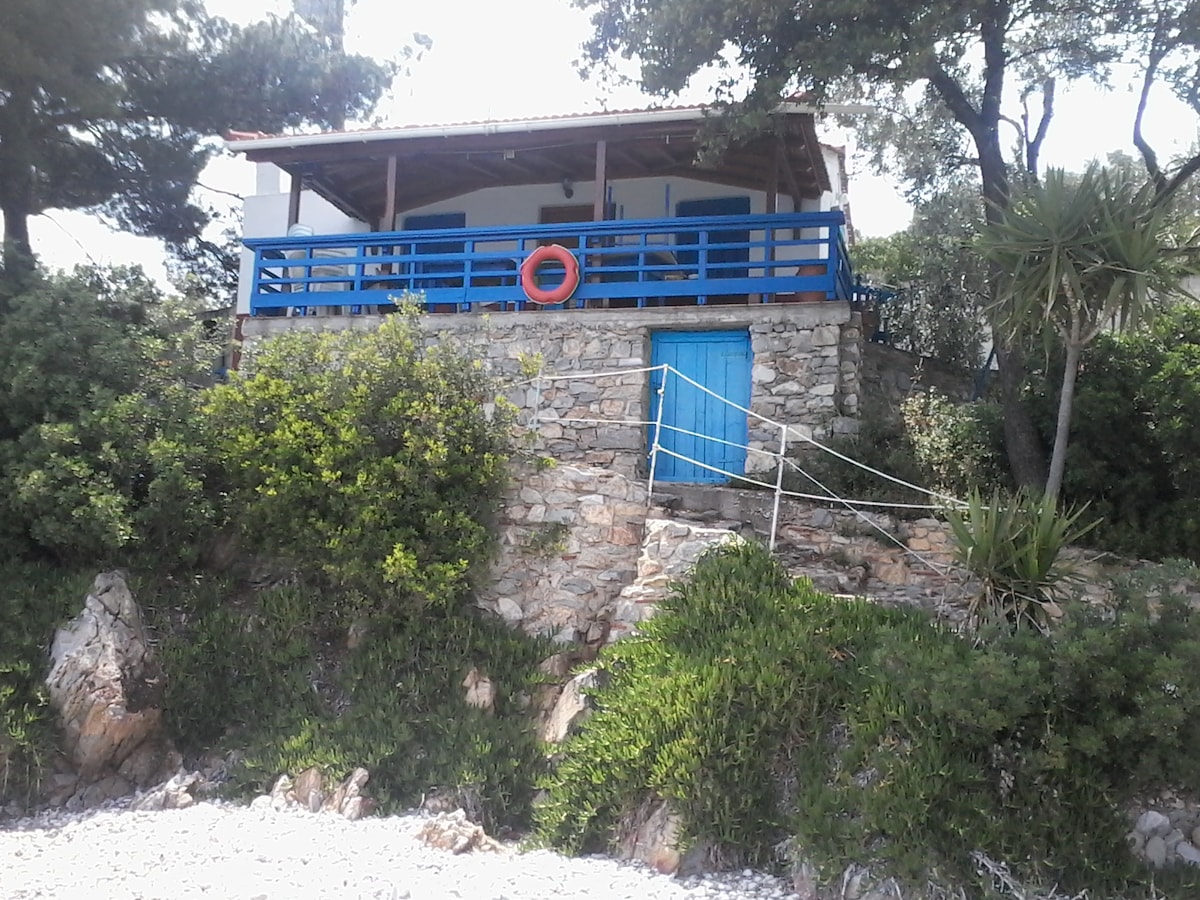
(546, 253)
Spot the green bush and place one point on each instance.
(253, 673)
(99, 445)
(762, 711)
(367, 459)
(959, 446)
(36, 599)
(935, 444)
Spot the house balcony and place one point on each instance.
(682, 261)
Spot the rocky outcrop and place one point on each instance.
(309, 791)
(570, 709)
(106, 689)
(455, 833)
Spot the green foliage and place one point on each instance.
(959, 446)
(256, 672)
(938, 280)
(367, 458)
(1082, 256)
(110, 105)
(36, 599)
(935, 443)
(763, 710)
(1013, 545)
(101, 446)
(881, 443)
(1133, 440)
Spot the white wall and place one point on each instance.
(265, 215)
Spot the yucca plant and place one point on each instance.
(1013, 545)
(1082, 255)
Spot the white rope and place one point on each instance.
(667, 369)
(745, 479)
(883, 504)
(874, 471)
(727, 402)
(865, 518)
(587, 376)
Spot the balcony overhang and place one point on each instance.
(431, 163)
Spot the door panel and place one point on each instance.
(697, 425)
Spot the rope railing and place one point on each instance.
(782, 463)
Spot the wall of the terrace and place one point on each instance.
(805, 370)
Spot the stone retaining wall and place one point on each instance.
(569, 542)
(805, 370)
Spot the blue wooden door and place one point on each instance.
(697, 425)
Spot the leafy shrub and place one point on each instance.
(1133, 444)
(98, 438)
(36, 599)
(253, 673)
(369, 460)
(935, 444)
(749, 702)
(960, 446)
(1013, 545)
(762, 710)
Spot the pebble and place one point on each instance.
(231, 852)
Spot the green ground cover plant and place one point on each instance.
(765, 711)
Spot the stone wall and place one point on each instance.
(569, 542)
(805, 370)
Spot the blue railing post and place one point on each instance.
(629, 262)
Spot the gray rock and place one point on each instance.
(572, 707)
(1156, 851)
(1188, 853)
(105, 687)
(1153, 822)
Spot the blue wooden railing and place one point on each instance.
(647, 262)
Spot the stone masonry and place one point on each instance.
(805, 370)
(569, 542)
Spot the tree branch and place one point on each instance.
(1033, 148)
(1149, 157)
(955, 98)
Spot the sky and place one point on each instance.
(514, 59)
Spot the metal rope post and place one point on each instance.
(783, 431)
(658, 417)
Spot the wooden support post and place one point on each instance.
(789, 175)
(599, 201)
(600, 204)
(389, 204)
(772, 207)
(294, 199)
(772, 187)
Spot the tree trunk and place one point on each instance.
(1023, 446)
(1026, 457)
(1062, 431)
(18, 254)
(17, 182)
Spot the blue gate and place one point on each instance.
(696, 424)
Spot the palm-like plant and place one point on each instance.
(1081, 255)
(1013, 546)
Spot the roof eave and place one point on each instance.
(514, 126)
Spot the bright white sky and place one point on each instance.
(503, 60)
